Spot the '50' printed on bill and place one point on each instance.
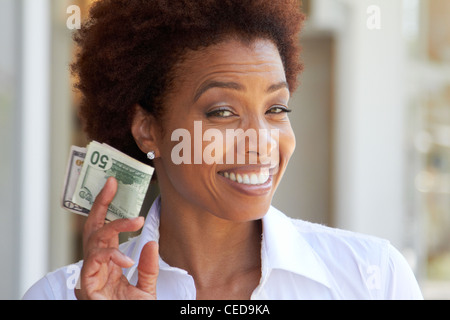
(87, 172)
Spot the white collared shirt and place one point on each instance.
(299, 260)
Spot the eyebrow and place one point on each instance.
(235, 86)
(217, 84)
(278, 86)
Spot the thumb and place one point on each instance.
(148, 268)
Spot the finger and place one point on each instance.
(148, 268)
(107, 236)
(98, 269)
(100, 257)
(96, 217)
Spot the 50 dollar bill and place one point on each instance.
(87, 172)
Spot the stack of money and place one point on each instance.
(87, 172)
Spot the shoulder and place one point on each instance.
(334, 241)
(56, 285)
(60, 283)
(329, 242)
(359, 265)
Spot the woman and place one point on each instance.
(216, 68)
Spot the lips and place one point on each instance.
(252, 180)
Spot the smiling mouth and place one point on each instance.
(250, 178)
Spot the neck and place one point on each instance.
(209, 248)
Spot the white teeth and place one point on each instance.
(253, 179)
(263, 177)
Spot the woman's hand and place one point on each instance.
(101, 275)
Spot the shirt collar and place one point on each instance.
(283, 247)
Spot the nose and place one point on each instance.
(258, 142)
(267, 145)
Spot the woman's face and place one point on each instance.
(227, 136)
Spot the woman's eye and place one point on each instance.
(278, 110)
(220, 113)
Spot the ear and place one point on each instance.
(144, 129)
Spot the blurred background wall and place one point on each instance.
(371, 117)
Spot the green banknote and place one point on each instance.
(99, 163)
(74, 165)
